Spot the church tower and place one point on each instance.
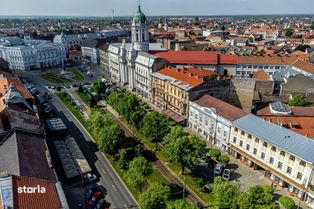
(140, 36)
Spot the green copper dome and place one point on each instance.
(139, 16)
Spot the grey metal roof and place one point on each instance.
(280, 137)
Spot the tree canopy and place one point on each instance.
(155, 126)
(289, 32)
(181, 204)
(183, 150)
(297, 100)
(154, 197)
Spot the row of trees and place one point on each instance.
(108, 135)
(182, 149)
(156, 197)
(228, 195)
(152, 124)
(216, 154)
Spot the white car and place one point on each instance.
(91, 177)
(218, 169)
(226, 175)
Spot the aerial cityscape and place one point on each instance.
(157, 105)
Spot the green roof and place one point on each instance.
(139, 16)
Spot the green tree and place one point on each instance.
(225, 194)
(261, 52)
(257, 197)
(312, 26)
(289, 32)
(181, 204)
(184, 151)
(297, 100)
(99, 87)
(155, 197)
(140, 165)
(155, 127)
(224, 159)
(214, 153)
(213, 77)
(287, 202)
(97, 120)
(110, 139)
(135, 179)
(175, 133)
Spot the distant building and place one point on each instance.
(211, 118)
(91, 49)
(31, 54)
(73, 40)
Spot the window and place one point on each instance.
(219, 129)
(299, 176)
(206, 122)
(248, 147)
(292, 158)
(279, 165)
(241, 143)
(236, 129)
(191, 114)
(271, 160)
(263, 155)
(249, 136)
(289, 170)
(273, 148)
(234, 139)
(242, 132)
(302, 163)
(256, 140)
(282, 153)
(265, 144)
(254, 151)
(225, 133)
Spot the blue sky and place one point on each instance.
(154, 7)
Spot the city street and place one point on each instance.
(117, 193)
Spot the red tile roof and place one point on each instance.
(226, 59)
(261, 75)
(48, 200)
(191, 76)
(190, 57)
(224, 109)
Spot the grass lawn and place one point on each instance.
(86, 99)
(55, 78)
(73, 109)
(77, 74)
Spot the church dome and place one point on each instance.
(139, 16)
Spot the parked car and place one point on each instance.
(96, 197)
(226, 175)
(102, 204)
(89, 178)
(91, 189)
(218, 169)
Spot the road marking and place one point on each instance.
(103, 171)
(114, 187)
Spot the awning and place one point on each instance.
(174, 116)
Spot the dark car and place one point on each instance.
(96, 197)
(102, 204)
(91, 189)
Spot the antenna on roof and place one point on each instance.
(113, 15)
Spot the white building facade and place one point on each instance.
(285, 156)
(212, 119)
(31, 54)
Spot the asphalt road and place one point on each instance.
(118, 194)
